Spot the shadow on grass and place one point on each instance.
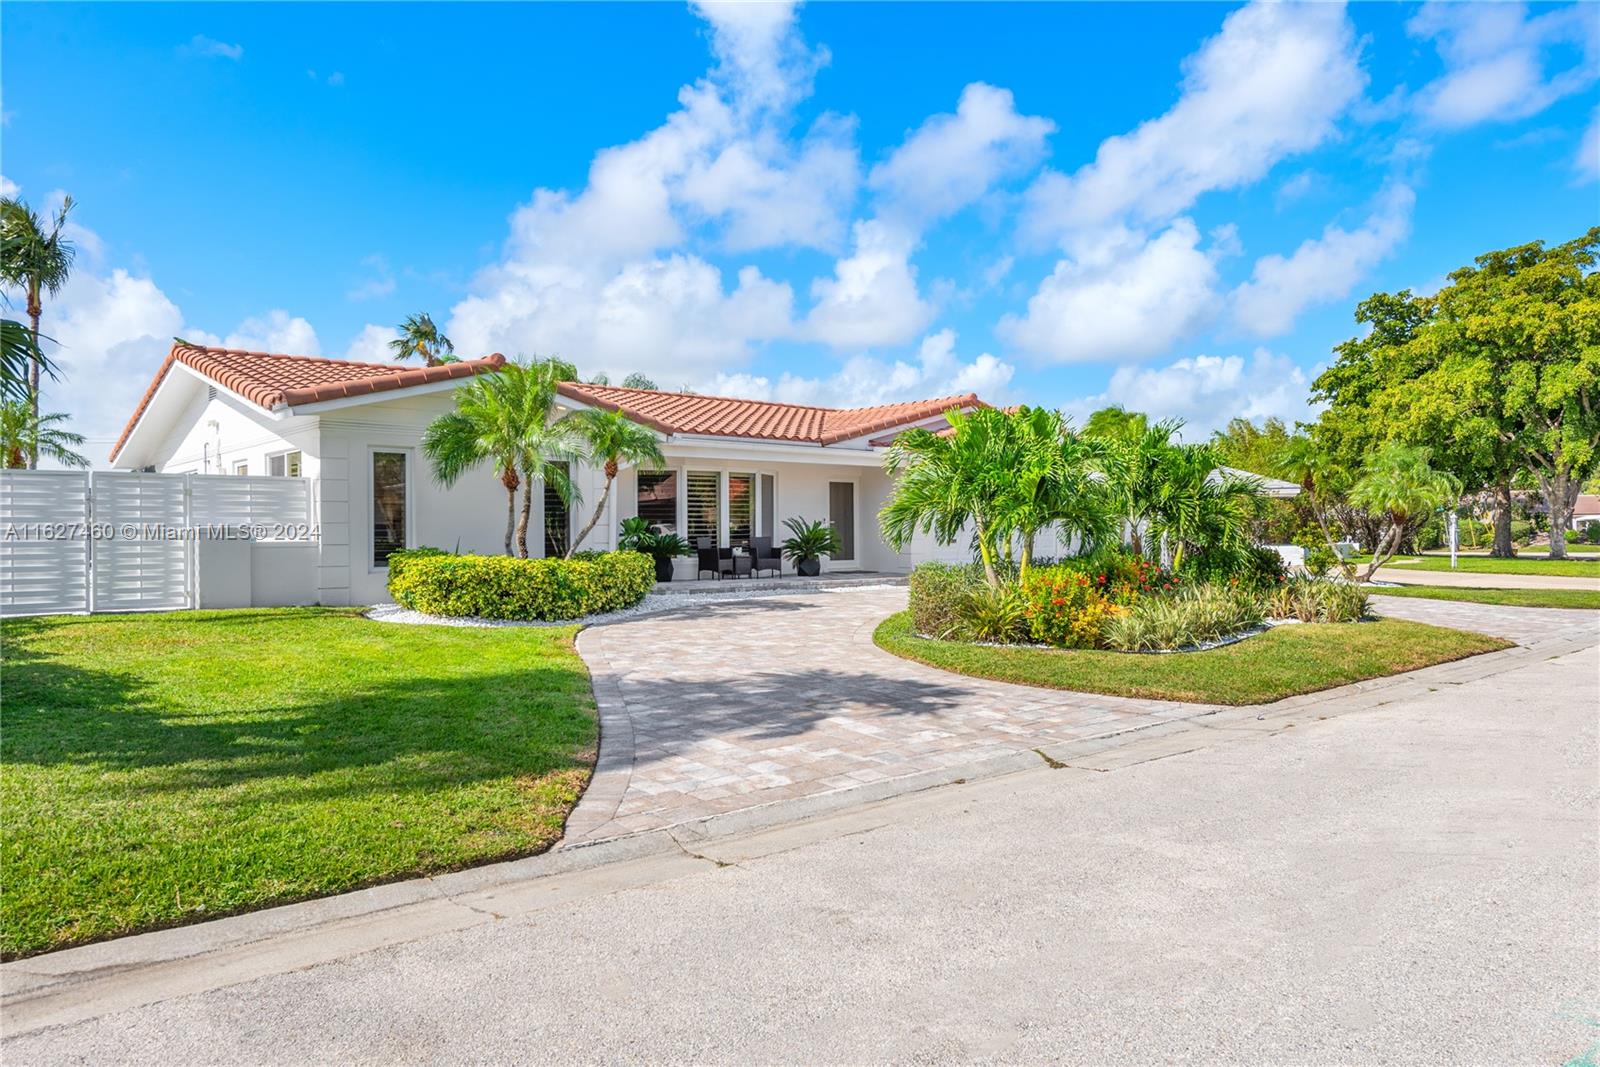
(442, 725)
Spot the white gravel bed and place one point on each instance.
(652, 604)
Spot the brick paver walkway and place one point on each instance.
(727, 706)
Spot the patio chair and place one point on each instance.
(766, 558)
(710, 558)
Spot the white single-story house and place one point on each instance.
(735, 468)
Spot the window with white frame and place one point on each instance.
(388, 505)
(705, 506)
(284, 465)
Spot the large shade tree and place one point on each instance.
(611, 439)
(35, 257)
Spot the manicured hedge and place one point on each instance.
(500, 587)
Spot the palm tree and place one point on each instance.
(18, 352)
(38, 260)
(420, 337)
(612, 439)
(25, 436)
(1134, 469)
(1399, 484)
(945, 482)
(504, 419)
(1054, 483)
(1197, 505)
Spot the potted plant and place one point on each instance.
(809, 543)
(637, 536)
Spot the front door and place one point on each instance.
(842, 517)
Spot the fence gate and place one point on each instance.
(77, 541)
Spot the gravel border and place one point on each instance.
(652, 604)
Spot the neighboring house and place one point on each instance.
(1585, 510)
(735, 468)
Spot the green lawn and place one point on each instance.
(160, 769)
(1519, 598)
(1563, 568)
(1279, 663)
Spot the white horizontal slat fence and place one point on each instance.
(79, 541)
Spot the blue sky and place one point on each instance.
(1170, 206)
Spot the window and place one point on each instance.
(557, 521)
(658, 500)
(705, 512)
(388, 505)
(741, 507)
(769, 505)
(287, 464)
(241, 468)
(842, 517)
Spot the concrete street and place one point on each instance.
(1412, 882)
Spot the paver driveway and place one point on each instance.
(728, 706)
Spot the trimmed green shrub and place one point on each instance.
(1197, 614)
(1319, 560)
(1255, 568)
(500, 587)
(1122, 576)
(936, 591)
(1316, 600)
(1521, 531)
(1066, 607)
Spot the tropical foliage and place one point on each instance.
(611, 439)
(503, 420)
(1400, 484)
(25, 437)
(421, 339)
(809, 540)
(35, 257)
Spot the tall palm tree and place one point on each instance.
(1399, 483)
(503, 419)
(613, 440)
(18, 352)
(25, 436)
(420, 338)
(38, 260)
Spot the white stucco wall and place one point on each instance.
(241, 434)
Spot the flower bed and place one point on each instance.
(501, 587)
(1119, 602)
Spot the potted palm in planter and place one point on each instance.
(637, 536)
(809, 543)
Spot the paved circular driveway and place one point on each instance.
(726, 706)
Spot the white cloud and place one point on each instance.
(1587, 163)
(379, 284)
(1207, 391)
(277, 331)
(201, 45)
(1496, 59)
(872, 298)
(951, 161)
(864, 381)
(8, 187)
(1323, 268)
(371, 345)
(1270, 85)
(1126, 298)
(599, 275)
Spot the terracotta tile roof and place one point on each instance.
(276, 380)
(721, 416)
